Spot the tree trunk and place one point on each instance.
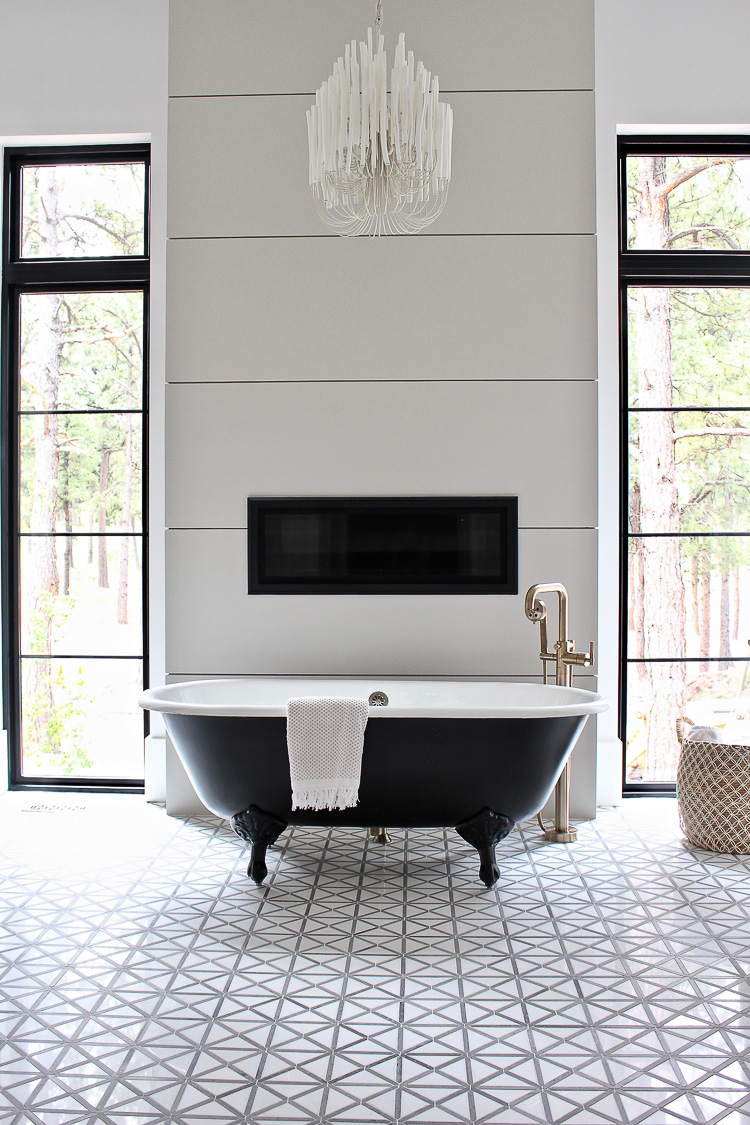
(695, 599)
(122, 590)
(136, 553)
(43, 585)
(102, 519)
(635, 575)
(663, 592)
(704, 648)
(68, 549)
(638, 621)
(725, 648)
(735, 574)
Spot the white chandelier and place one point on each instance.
(380, 163)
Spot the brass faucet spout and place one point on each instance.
(536, 610)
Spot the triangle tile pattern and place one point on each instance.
(144, 980)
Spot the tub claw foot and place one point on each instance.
(261, 829)
(483, 832)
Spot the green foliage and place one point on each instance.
(708, 211)
(710, 357)
(100, 210)
(82, 357)
(101, 367)
(710, 353)
(44, 624)
(56, 744)
(695, 354)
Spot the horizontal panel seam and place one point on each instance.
(432, 234)
(525, 527)
(371, 675)
(445, 93)
(375, 382)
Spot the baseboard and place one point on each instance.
(608, 772)
(155, 768)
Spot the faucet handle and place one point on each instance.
(581, 659)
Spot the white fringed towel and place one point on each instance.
(325, 737)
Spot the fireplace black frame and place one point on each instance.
(385, 509)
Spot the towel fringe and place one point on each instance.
(338, 797)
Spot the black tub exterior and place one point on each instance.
(416, 772)
(475, 774)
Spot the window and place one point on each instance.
(685, 363)
(74, 378)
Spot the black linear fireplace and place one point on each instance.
(393, 545)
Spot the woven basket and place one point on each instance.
(713, 795)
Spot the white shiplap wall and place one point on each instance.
(462, 361)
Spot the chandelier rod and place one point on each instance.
(378, 17)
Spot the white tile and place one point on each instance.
(519, 307)
(251, 47)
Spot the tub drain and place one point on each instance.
(378, 699)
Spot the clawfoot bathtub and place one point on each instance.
(475, 755)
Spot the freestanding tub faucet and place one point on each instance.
(565, 659)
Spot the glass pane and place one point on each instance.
(688, 347)
(688, 202)
(689, 471)
(83, 210)
(80, 718)
(81, 594)
(689, 596)
(716, 694)
(81, 351)
(94, 482)
(334, 544)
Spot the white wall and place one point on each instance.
(462, 361)
(661, 66)
(83, 70)
(82, 67)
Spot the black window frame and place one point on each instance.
(34, 274)
(662, 268)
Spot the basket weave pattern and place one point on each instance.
(713, 795)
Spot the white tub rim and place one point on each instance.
(521, 700)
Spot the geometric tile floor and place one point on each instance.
(144, 979)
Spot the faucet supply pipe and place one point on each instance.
(564, 659)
